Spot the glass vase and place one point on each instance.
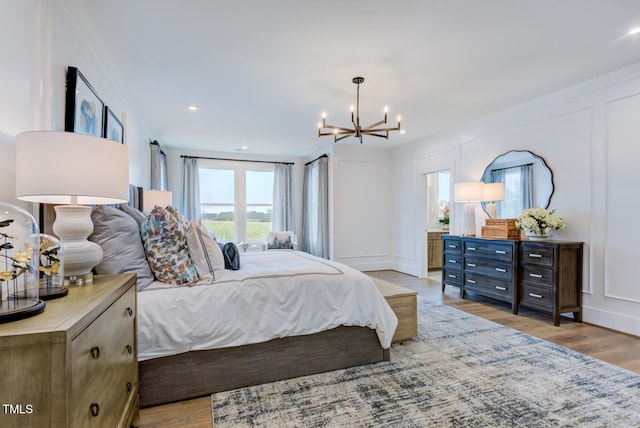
(51, 268)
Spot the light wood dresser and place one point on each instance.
(75, 365)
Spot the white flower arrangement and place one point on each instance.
(539, 221)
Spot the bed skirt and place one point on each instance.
(199, 373)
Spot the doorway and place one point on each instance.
(438, 203)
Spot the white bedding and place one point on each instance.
(276, 293)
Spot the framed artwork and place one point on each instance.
(84, 108)
(113, 128)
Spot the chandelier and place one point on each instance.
(357, 130)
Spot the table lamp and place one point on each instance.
(493, 192)
(155, 198)
(72, 171)
(469, 193)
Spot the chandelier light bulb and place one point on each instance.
(324, 115)
(386, 109)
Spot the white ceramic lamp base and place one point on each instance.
(469, 220)
(491, 210)
(72, 226)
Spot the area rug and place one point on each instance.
(460, 371)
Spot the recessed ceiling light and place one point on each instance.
(242, 149)
(635, 30)
(192, 107)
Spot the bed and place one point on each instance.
(284, 314)
(259, 324)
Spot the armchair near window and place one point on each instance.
(281, 240)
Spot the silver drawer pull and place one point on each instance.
(453, 261)
(471, 264)
(501, 270)
(535, 275)
(537, 296)
(471, 281)
(500, 252)
(471, 248)
(95, 409)
(129, 349)
(452, 276)
(95, 352)
(130, 312)
(452, 246)
(501, 288)
(535, 255)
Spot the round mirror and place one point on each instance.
(528, 182)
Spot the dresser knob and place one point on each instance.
(129, 387)
(129, 349)
(130, 312)
(95, 352)
(95, 409)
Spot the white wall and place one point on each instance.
(360, 206)
(41, 39)
(588, 136)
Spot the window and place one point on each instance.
(237, 201)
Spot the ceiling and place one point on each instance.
(262, 72)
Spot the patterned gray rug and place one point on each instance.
(461, 371)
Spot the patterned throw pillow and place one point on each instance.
(165, 242)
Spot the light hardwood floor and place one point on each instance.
(614, 347)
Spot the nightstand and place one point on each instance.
(74, 365)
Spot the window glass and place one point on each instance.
(217, 201)
(259, 204)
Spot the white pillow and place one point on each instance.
(204, 252)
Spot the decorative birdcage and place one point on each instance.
(19, 261)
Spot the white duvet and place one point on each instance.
(276, 293)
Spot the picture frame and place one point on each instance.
(84, 110)
(113, 127)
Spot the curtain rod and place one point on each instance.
(318, 158)
(236, 160)
(510, 167)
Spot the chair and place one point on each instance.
(281, 240)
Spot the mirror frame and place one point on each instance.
(533, 155)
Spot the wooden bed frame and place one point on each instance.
(198, 373)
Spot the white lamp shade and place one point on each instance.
(472, 191)
(155, 198)
(64, 168)
(493, 192)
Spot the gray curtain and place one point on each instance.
(497, 176)
(190, 199)
(159, 180)
(526, 177)
(283, 200)
(315, 208)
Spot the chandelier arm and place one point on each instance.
(336, 139)
(381, 130)
(340, 128)
(373, 125)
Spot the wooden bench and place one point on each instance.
(404, 303)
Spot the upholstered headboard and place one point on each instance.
(135, 196)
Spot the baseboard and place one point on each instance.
(612, 320)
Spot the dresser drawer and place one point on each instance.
(539, 297)
(451, 245)
(495, 250)
(488, 286)
(542, 276)
(536, 254)
(104, 365)
(452, 276)
(489, 267)
(453, 260)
